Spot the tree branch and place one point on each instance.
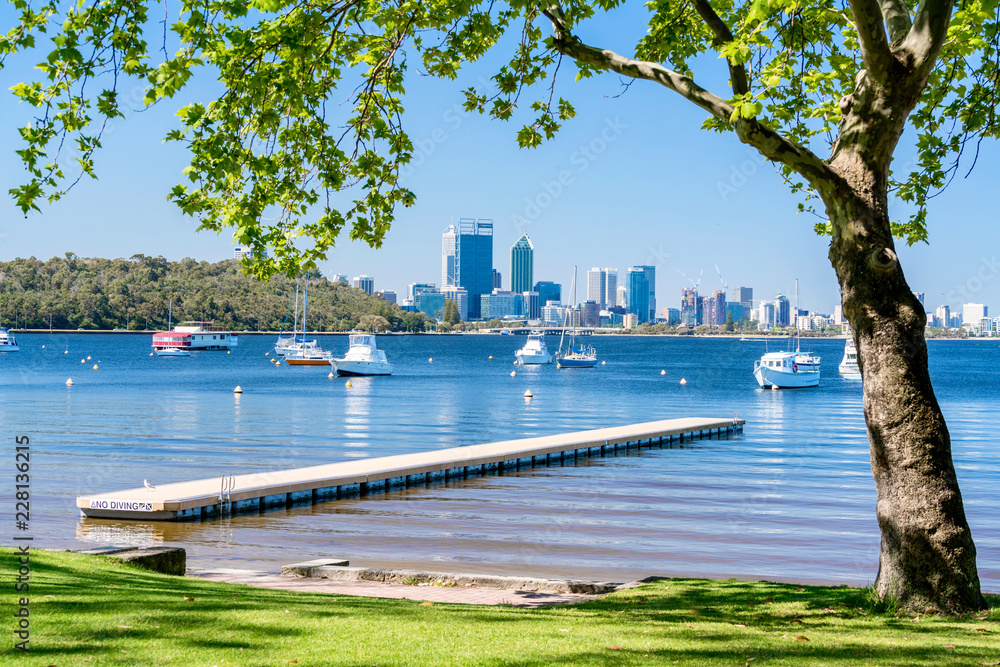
(723, 35)
(871, 34)
(897, 18)
(924, 40)
(769, 143)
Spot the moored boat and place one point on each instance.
(576, 356)
(362, 358)
(7, 341)
(196, 336)
(534, 351)
(849, 368)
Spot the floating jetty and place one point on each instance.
(259, 492)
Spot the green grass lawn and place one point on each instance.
(90, 611)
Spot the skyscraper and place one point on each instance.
(744, 297)
(610, 287)
(638, 293)
(497, 279)
(548, 291)
(650, 272)
(467, 260)
(367, 283)
(689, 306)
(782, 311)
(522, 261)
(596, 285)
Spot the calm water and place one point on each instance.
(790, 498)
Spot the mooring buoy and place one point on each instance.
(683, 381)
(69, 382)
(348, 384)
(528, 394)
(238, 390)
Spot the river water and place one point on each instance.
(791, 498)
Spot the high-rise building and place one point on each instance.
(638, 292)
(467, 260)
(499, 304)
(715, 314)
(689, 306)
(650, 272)
(782, 311)
(240, 253)
(744, 297)
(532, 306)
(339, 278)
(591, 314)
(597, 285)
(388, 296)
(548, 291)
(610, 287)
(427, 299)
(622, 296)
(920, 297)
(522, 262)
(943, 316)
(367, 283)
(838, 315)
(449, 257)
(672, 315)
(972, 313)
(766, 316)
(497, 279)
(473, 263)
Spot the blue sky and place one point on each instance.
(640, 184)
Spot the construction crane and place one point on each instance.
(725, 285)
(693, 282)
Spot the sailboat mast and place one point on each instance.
(305, 306)
(795, 320)
(170, 314)
(295, 319)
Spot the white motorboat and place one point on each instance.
(171, 352)
(788, 370)
(7, 341)
(534, 351)
(849, 368)
(780, 370)
(362, 358)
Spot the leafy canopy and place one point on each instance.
(277, 158)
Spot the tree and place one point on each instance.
(730, 324)
(802, 78)
(373, 323)
(451, 314)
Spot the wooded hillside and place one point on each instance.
(134, 293)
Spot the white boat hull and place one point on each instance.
(351, 367)
(9, 348)
(172, 353)
(534, 358)
(769, 378)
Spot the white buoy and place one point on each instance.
(774, 387)
(330, 375)
(663, 372)
(66, 352)
(238, 390)
(604, 363)
(528, 394)
(267, 354)
(69, 382)
(348, 384)
(431, 360)
(150, 354)
(88, 357)
(513, 373)
(43, 347)
(683, 381)
(228, 352)
(83, 361)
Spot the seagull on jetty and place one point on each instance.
(146, 484)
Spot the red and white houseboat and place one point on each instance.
(189, 336)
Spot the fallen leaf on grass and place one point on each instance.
(426, 604)
(801, 638)
(800, 590)
(114, 585)
(127, 627)
(949, 646)
(989, 632)
(829, 610)
(188, 599)
(914, 619)
(293, 661)
(615, 648)
(689, 625)
(795, 620)
(768, 599)
(739, 625)
(990, 664)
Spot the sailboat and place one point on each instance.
(171, 343)
(788, 370)
(286, 345)
(576, 356)
(308, 356)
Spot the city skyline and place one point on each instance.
(619, 202)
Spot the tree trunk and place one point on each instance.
(928, 558)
